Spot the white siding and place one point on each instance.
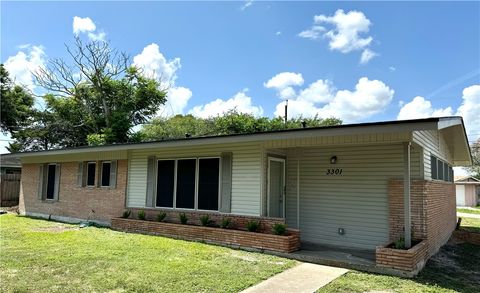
(246, 173)
(356, 200)
(433, 143)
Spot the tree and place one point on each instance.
(16, 103)
(231, 122)
(475, 168)
(98, 95)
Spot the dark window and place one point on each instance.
(106, 166)
(208, 183)
(440, 170)
(165, 183)
(433, 165)
(186, 183)
(452, 175)
(446, 172)
(91, 174)
(51, 181)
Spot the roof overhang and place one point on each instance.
(453, 130)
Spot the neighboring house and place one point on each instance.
(339, 185)
(467, 191)
(10, 165)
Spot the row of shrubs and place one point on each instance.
(225, 223)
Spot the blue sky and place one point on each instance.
(425, 56)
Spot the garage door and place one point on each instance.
(460, 192)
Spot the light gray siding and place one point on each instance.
(246, 173)
(356, 200)
(433, 143)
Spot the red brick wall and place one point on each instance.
(229, 237)
(92, 203)
(432, 209)
(411, 260)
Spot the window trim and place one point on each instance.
(101, 174)
(197, 169)
(94, 177)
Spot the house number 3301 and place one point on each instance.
(334, 171)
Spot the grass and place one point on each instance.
(44, 256)
(470, 224)
(469, 211)
(454, 269)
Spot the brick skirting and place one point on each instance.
(466, 236)
(411, 261)
(227, 237)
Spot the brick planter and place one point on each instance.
(467, 236)
(227, 237)
(410, 261)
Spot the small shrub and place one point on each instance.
(126, 214)
(279, 229)
(399, 244)
(226, 223)
(206, 221)
(252, 226)
(141, 215)
(161, 217)
(183, 218)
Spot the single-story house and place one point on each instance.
(467, 191)
(341, 185)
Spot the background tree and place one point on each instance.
(475, 168)
(231, 122)
(16, 104)
(98, 94)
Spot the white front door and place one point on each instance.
(276, 187)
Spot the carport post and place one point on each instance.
(406, 196)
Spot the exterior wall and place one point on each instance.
(470, 195)
(91, 203)
(433, 143)
(356, 200)
(432, 210)
(79, 157)
(246, 173)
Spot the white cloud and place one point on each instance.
(419, 107)
(367, 55)
(86, 25)
(392, 68)
(155, 65)
(313, 33)
(470, 110)
(346, 35)
(27, 60)
(82, 25)
(177, 100)
(278, 33)
(246, 4)
(284, 82)
(322, 98)
(240, 101)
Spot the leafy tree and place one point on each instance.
(475, 168)
(232, 122)
(98, 94)
(16, 103)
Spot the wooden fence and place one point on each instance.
(9, 189)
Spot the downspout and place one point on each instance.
(406, 196)
(298, 191)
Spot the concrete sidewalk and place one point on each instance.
(466, 215)
(305, 278)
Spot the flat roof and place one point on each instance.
(400, 125)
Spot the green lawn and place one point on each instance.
(454, 269)
(43, 256)
(469, 211)
(470, 224)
